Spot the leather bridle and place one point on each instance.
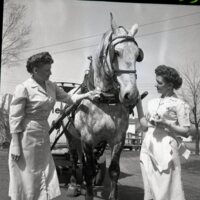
(111, 52)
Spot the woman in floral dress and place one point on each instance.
(166, 118)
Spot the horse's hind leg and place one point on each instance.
(88, 170)
(114, 170)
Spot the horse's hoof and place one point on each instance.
(74, 190)
(88, 197)
(112, 198)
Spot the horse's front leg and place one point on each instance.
(114, 170)
(73, 188)
(88, 169)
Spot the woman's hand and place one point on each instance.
(15, 147)
(160, 122)
(93, 95)
(15, 152)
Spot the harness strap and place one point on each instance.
(120, 71)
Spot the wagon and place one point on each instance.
(60, 148)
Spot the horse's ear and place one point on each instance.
(113, 24)
(133, 30)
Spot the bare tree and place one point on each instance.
(5, 135)
(190, 92)
(15, 31)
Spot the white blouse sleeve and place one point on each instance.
(63, 96)
(183, 114)
(17, 109)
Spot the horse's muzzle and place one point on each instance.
(129, 98)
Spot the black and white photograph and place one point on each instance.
(99, 100)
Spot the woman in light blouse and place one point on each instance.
(31, 167)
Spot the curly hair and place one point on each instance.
(37, 60)
(170, 75)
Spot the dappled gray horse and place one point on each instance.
(113, 72)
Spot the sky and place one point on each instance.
(71, 31)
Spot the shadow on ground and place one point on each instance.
(125, 191)
(192, 167)
(102, 192)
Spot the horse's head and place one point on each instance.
(118, 56)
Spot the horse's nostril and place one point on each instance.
(129, 97)
(126, 96)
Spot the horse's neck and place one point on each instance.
(101, 80)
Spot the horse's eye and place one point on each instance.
(117, 53)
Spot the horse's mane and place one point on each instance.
(100, 53)
(96, 68)
(99, 57)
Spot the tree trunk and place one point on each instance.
(197, 141)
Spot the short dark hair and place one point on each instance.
(170, 75)
(37, 60)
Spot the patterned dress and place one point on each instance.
(159, 157)
(33, 176)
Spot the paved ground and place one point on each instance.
(130, 182)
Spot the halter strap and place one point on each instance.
(125, 38)
(120, 71)
(111, 45)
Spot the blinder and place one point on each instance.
(140, 55)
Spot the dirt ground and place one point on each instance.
(130, 181)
